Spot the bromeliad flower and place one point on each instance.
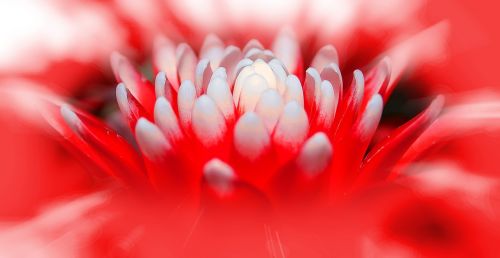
(250, 118)
(244, 151)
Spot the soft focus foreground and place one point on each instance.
(252, 150)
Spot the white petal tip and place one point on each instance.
(315, 155)
(219, 175)
(251, 138)
(150, 139)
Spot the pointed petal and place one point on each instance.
(269, 108)
(251, 139)
(380, 161)
(203, 74)
(138, 86)
(240, 79)
(110, 147)
(151, 140)
(280, 74)
(253, 43)
(327, 105)
(287, 49)
(312, 89)
(166, 120)
(187, 61)
(332, 74)
(212, 49)
(165, 60)
(324, 56)
(316, 155)
(232, 55)
(294, 90)
(185, 101)
(163, 87)
(219, 175)
(292, 127)
(264, 70)
(208, 122)
(253, 86)
(218, 90)
(129, 106)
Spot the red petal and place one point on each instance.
(379, 163)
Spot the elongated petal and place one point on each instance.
(203, 74)
(163, 87)
(187, 61)
(292, 127)
(383, 157)
(326, 55)
(294, 90)
(166, 119)
(185, 101)
(251, 147)
(208, 122)
(327, 105)
(219, 175)
(129, 106)
(252, 88)
(219, 91)
(312, 89)
(287, 49)
(111, 147)
(151, 140)
(269, 108)
(315, 155)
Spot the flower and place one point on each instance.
(246, 152)
(247, 117)
(233, 140)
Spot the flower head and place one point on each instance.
(249, 119)
(277, 151)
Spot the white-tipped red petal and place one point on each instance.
(163, 87)
(292, 127)
(253, 86)
(294, 90)
(371, 117)
(71, 118)
(232, 55)
(312, 88)
(280, 75)
(324, 56)
(264, 70)
(186, 63)
(240, 79)
(269, 108)
(166, 119)
(219, 72)
(203, 74)
(165, 60)
(151, 140)
(253, 43)
(327, 105)
(251, 138)
(185, 101)
(287, 49)
(218, 90)
(315, 155)
(122, 99)
(208, 122)
(212, 49)
(332, 74)
(219, 175)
